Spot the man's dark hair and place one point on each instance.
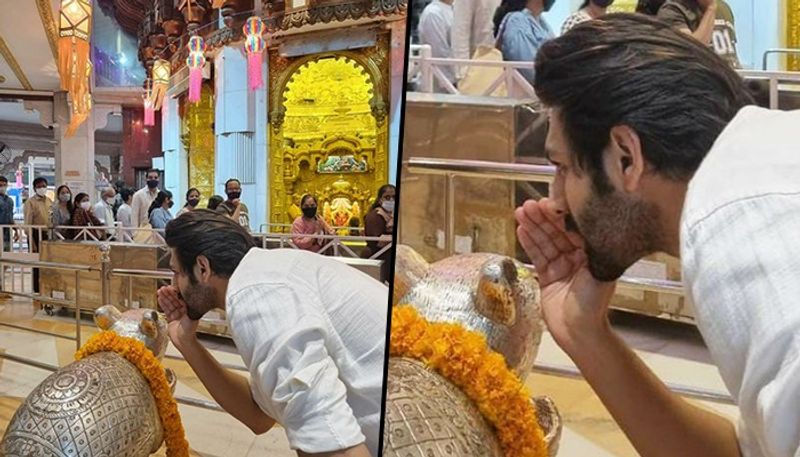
(214, 201)
(630, 69)
(126, 193)
(153, 170)
(211, 234)
(232, 180)
(4, 179)
(38, 181)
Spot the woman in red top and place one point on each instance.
(82, 216)
(310, 223)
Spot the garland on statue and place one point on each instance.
(463, 357)
(135, 352)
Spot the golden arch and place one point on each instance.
(295, 159)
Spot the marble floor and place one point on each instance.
(674, 351)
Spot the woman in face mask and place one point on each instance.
(192, 200)
(61, 213)
(159, 210)
(310, 223)
(590, 9)
(379, 222)
(83, 216)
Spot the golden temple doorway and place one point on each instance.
(328, 137)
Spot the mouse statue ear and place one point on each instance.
(495, 298)
(409, 269)
(149, 324)
(106, 316)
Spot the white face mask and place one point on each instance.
(388, 205)
(3, 189)
(111, 200)
(42, 191)
(86, 205)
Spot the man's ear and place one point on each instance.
(203, 268)
(624, 160)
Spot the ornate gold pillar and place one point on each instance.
(199, 142)
(793, 32)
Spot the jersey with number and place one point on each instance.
(687, 14)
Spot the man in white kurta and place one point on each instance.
(143, 198)
(472, 27)
(715, 182)
(310, 329)
(740, 257)
(435, 26)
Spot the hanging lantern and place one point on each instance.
(161, 74)
(254, 44)
(195, 62)
(74, 67)
(149, 112)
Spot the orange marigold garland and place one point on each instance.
(463, 357)
(143, 359)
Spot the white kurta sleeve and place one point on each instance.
(463, 11)
(741, 264)
(434, 30)
(282, 336)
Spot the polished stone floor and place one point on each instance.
(674, 351)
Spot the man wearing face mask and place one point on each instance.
(104, 209)
(310, 329)
(522, 31)
(6, 213)
(143, 198)
(37, 212)
(233, 207)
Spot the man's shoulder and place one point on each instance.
(739, 167)
(685, 11)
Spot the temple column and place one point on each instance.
(74, 155)
(176, 162)
(240, 128)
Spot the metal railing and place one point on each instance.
(768, 52)
(451, 169)
(425, 69)
(774, 78)
(77, 269)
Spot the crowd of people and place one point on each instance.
(121, 210)
(515, 30)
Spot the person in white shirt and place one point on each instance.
(310, 329)
(143, 198)
(104, 209)
(472, 28)
(657, 149)
(125, 213)
(435, 25)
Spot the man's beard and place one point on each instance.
(618, 231)
(199, 300)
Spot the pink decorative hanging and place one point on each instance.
(149, 112)
(195, 62)
(254, 44)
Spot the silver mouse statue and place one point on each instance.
(98, 406)
(495, 295)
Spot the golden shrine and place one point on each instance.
(328, 98)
